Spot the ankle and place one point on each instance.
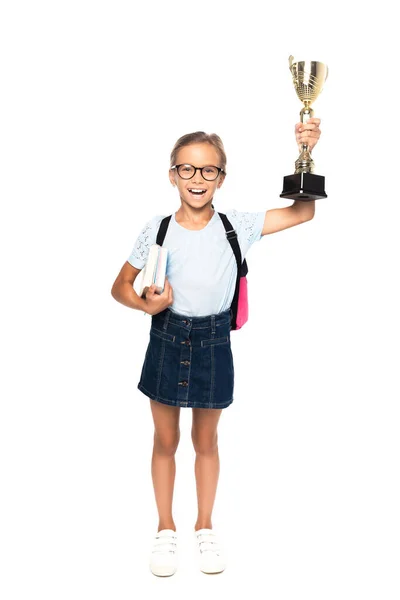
(166, 526)
(206, 525)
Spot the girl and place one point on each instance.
(188, 362)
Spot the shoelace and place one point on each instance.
(209, 543)
(164, 540)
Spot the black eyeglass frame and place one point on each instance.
(220, 170)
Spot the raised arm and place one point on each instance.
(277, 219)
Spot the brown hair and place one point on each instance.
(200, 137)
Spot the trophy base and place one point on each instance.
(304, 186)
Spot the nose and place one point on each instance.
(197, 175)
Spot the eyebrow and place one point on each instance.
(207, 165)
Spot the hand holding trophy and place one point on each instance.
(308, 79)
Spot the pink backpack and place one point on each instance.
(240, 302)
(243, 304)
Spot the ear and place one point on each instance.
(171, 175)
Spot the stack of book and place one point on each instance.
(154, 270)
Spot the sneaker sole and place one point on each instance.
(163, 571)
(211, 570)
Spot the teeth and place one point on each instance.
(196, 190)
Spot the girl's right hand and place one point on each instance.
(155, 302)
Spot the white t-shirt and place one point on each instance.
(201, 265)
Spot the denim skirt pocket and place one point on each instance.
(214, 342)
(163, 335)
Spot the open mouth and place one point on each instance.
(196, 192)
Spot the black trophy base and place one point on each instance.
(304, 186)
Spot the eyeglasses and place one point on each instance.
(208, 172)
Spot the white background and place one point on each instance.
(94, 96)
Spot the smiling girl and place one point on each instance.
(188, 361)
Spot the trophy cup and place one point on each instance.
(308, 80)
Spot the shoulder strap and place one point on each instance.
(231, 236)
(242, 267)
(162, 230)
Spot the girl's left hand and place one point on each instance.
(308, 133)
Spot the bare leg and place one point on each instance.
(166, 440)
(205, 442)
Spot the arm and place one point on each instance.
(300, 212)
(122, 290)
(277, 219)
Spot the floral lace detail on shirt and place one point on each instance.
(145, 239)
(142, 246)
(245, 220)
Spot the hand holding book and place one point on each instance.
(156, 302)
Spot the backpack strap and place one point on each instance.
(231, 236)
(242, 270)
(162, 230)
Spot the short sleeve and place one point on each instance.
(248, 226)
(146, 238)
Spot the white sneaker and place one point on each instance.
(210, 551)
(163, 559)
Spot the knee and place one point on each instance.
(167, 443)
(205, 444)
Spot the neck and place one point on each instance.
(195, 215)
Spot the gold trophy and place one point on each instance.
(308, 80)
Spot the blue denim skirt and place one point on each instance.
(189, 360)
